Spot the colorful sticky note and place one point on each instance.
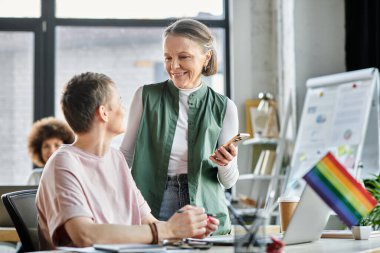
(343, 193)
(341, 150)
(303, 157)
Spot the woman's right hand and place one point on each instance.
(191, 221)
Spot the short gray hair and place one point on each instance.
(200, 33)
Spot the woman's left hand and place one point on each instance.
(223, 156)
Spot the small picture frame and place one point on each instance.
(250, 103)
(261, 124)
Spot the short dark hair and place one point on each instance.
(200, 33)
(82, 96)
(43, 130)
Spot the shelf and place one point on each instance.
(260, 141)
(259, 177)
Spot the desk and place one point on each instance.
(8, 235)
(320, 246)
(335, 245)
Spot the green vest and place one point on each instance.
(154, 143)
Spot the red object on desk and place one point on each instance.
(276, 246)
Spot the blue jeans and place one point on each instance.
(176, 195)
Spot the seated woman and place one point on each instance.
(87, 194)
(45, 137)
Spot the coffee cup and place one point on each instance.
(287, 205)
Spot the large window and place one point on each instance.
(20, 8)
(16, 101)
(121, 38)
(142, 9)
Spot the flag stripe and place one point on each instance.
(358, 186)
(348, 218)
(340, 190)
(345, 193)
(336, 194)
(334, 199)
(348, 182)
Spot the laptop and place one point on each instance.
(309, 219)
(5, 219)
(307, 224)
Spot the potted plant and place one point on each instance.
(363, 230)
(373, 186)
(372, 220)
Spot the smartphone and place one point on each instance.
(237, 139)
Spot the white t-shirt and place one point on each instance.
(79, 184)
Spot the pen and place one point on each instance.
(208, 214)
(211, 215)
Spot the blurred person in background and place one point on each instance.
(46, 136)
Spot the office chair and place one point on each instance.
(23, 212)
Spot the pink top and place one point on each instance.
(79, 184)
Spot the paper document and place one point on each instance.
(130, 247)
(84, 250)
(344, 234)
(215, 240)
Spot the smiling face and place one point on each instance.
(184, 61)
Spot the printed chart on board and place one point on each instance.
(334, 119)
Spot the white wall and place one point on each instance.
(253, 57)
(319, 49)
(319, 42)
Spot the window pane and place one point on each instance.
(16, 100)
(20, 8)
(141, 9)
(130, 56)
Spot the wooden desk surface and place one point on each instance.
(8, 235)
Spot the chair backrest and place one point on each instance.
(22, 208)
(5, 218)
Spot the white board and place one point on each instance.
(337, 110)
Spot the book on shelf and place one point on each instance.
(268, 162)
(265, 163)
(259, 163)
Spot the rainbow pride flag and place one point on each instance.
(335, 185)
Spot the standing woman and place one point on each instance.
(176, 125)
